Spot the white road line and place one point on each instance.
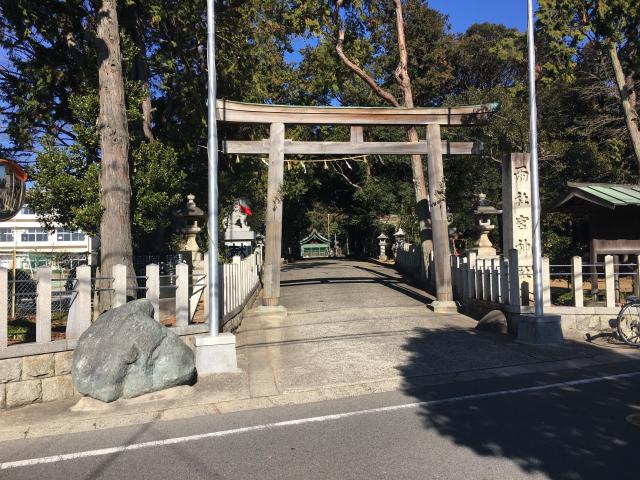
(288, 423)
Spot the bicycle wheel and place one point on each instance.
(629, 324)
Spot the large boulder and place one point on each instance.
(126, 353)
(494, 321)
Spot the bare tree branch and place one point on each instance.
(338, 169)
(355, 68)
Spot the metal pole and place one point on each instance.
(535, 187)
(212, 151)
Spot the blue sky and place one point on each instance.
(463, 13)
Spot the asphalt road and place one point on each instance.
(562, 425)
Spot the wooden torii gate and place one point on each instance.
(276, 146)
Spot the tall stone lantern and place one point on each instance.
(383, 247)
(189, 215)
(484, 211)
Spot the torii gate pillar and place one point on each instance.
(273, 242)
(439, 225)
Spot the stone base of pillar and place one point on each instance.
(271, 311)
(382, 258)
(544, 330)
(216, 354)
(440, 306)
(271, 302)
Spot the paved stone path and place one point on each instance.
(352, 322)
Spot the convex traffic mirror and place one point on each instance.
(12, 189)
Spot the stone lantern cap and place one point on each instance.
(399, 233)
(485, 207)
(190, 209)
(382, 236)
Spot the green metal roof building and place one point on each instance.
(611, 214)
(315, 246)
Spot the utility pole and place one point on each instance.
(215, 352)
(537, 328)
(212, 154)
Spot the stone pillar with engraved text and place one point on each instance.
(517, 226)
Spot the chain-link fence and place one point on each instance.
(22, 292)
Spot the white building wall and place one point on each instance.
(26, 220)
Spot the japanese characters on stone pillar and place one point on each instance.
(516, 208)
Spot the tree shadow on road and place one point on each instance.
(564, 431)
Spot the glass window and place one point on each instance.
(69, 236)
(35, 235)
(27, 210)
(6, 235)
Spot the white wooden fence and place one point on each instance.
(409, 259)
(501, 280)
(239, 280)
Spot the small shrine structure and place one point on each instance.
(315, 246)
(606, 216)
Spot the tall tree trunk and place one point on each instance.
(141, 68)
(402, 76)
(627, 96)
(422, 197)
(115, 188)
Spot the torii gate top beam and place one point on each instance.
(229, 111)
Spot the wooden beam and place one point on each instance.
(357, 134)
(350, 148)
(228, 111)
(273, 242)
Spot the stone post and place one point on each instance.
(43, 305)
(487, 279)
(464, 275)
(609, 281)
(182, 295)
(495, 280)
(576, 281)
(79, 318)
(454, 276)
(153, 288)
(546, 282)
(4, 306)
(504, 281)
(479, 278)
(471, 277)
(119, 274)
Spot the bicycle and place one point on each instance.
(629, 321)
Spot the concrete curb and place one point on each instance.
(68, 421)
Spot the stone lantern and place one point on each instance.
(383, 247)
(483, 246)
(189, 215)
(400, 236)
